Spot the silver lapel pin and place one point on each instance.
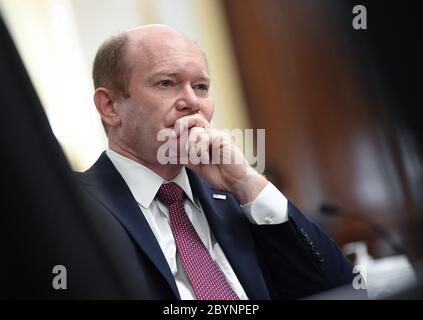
(219, 196)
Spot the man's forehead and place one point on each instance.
(155, 39)
(162, 50)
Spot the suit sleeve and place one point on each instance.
(300, 258)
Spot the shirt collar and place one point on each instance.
(143, 182)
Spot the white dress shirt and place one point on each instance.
(270, 207)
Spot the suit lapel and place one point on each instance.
(106, 184)
(228, 222)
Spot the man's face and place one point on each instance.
(169, 80)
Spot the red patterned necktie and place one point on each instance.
(206, 278)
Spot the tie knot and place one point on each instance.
(170, 193)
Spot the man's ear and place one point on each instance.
(107, 106)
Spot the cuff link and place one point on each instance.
(268, 220)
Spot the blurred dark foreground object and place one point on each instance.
(44, 221)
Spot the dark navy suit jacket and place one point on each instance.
(288, 260)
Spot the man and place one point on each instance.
(200, 231)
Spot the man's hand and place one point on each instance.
(214, 157)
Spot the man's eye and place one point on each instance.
(202, 87)
(165, 83)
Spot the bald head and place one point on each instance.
(152, 33)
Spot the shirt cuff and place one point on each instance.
(270, 207)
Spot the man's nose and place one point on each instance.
(188, 100)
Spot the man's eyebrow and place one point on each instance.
(204, 78)
(164, 73)
(172, 74)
